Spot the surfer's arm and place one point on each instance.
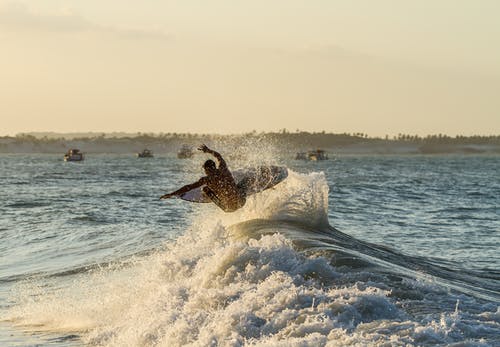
(222, 162)
(185, 189)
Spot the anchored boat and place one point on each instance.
(146, 153)
(185, 152)
(73, 155)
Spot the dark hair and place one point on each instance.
(209, 164)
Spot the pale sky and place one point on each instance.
(228, 66)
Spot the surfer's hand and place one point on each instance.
(203, 148)
(166, 196)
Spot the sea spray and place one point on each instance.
(224, 284)
(301, 198)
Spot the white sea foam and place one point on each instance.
(210, 288)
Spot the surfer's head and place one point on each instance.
(209, 166)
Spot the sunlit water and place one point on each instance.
(359, 250)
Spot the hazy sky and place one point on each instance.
(228, 66)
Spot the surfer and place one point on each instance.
(219, 184)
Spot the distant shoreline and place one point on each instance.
(283, 142)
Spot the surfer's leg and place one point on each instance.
(215, 199)
(241, 201)
(244, 186)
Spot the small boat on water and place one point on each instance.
(301, 156)
(314, 155)
(146, 153)
(185, 152)
(73, 155)
(317, 154)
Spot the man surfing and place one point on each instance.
(219, 183)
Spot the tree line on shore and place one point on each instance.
(283, 136)
(283, 140)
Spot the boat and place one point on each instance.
(317, 154)
(301, 156)
(73, 155)
(313, 155)
(146, 153)
(185, 152)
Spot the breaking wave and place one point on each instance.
(274, 273)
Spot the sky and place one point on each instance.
(231, 66)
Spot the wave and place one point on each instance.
(272, 274)
(27, 204)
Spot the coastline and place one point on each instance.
(284, 143)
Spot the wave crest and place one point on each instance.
(238, 279)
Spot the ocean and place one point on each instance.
(351, 251)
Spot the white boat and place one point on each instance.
(185, 152)
(301, 156)
(73, 155)
(317, 154)
(146, 153)
(313, 155)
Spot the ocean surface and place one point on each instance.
(353, 251)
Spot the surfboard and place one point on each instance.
(258, 179)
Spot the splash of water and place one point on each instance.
(220, 284)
